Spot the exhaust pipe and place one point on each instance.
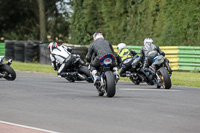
(81, 77)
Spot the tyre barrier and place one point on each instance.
(78, 49)
(31, 52)
(23, 51)
(9, 49)
(81, 50)
(19, 51)
(44, 54)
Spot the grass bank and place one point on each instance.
(178, 78)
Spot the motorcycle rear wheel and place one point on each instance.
(110, 83)
(8, 71)
(86, 72)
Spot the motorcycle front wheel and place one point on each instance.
(110, 84)
(8, 72)
(165, 77)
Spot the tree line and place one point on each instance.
(34, 19)
(168, 22)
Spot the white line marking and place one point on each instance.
(34, 128)
(131, 89)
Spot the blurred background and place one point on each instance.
(168, 22)
(27, 26)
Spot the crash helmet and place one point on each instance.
(52, 45)
(97, 35)
(121, 45)
(148, 41)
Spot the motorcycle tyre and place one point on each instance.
(166, 77)
(86, 72)
(110, 84)
(9, 70)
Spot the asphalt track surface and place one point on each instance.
(47, 102)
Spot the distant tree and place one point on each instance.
(19, 20)
(42, 18)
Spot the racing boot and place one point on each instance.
(116, 73)
(95, 77)
(59, 75)
(168, 67)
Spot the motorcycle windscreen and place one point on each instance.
(107, 59)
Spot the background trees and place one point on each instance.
(168, 22)
(20, 20)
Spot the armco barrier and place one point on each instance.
(189, 58)
(2, 49)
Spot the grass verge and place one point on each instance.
(178, 77)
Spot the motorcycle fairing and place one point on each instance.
(107, 59)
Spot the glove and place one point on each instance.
(163, 53)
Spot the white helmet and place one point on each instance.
(121, 45)
(148, 41)
(97, 35)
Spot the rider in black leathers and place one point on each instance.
(148, 52)
(99, 48)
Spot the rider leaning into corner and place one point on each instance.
(99, 48)
(148, 52)
(61, 59)
(127, 56)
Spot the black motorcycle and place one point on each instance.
(107, 83)
(163, 75)
(137, 74)
(161, 78)
(78, 71)
(6, 71)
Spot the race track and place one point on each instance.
(47, 102)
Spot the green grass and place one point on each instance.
(179, 78)
(32, 67)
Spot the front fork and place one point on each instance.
(158, 80)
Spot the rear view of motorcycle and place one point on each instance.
(6, 71)
(107, 83)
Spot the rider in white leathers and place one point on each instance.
(61, 58)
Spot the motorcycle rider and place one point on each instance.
(148, 52)
(61, 59)
(99, 48)
(127, 57)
